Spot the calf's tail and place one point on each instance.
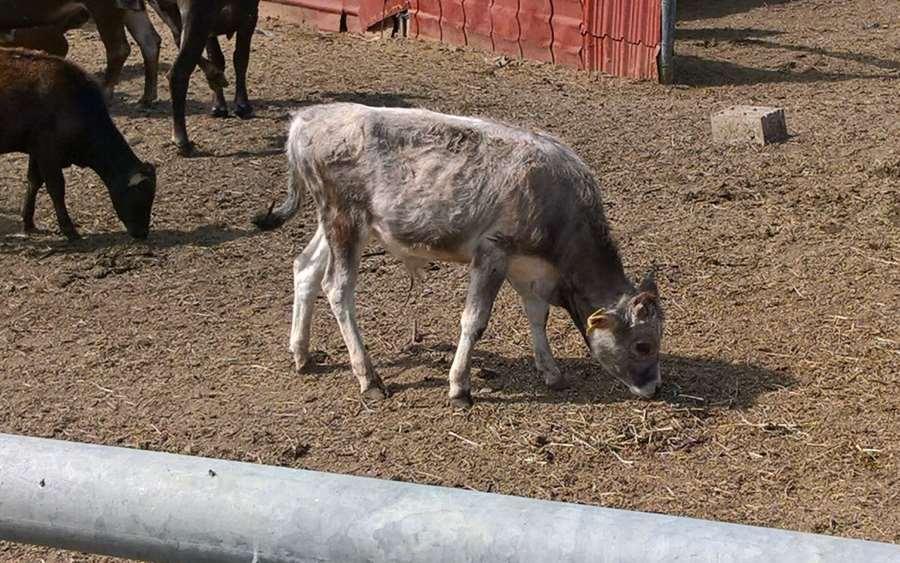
(278, 216)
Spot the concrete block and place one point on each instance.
(749, 124)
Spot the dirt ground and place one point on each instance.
(779, 272)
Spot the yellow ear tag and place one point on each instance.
(598, 321)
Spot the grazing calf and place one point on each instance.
(514, 205)
(196, 24)
(54, 112)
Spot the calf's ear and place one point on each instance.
(601, 320)
(644, 305)
(648, 284)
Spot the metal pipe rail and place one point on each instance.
(667, 41)
(158, 506)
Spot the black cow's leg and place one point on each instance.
(220, 106)
(35, 181)
(56, 187)
(245, 31)
(196, 28)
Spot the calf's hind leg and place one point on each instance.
(345, 242)
(309, 268)
(35, 181)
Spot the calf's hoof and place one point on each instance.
(303, 363)
(375, 392)
(219, 111)
(461, 400)
(244, 111)
(558, 383)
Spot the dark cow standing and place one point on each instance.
(48, 38)
(16, 14)
(54, 112)
(21, 14)
(196, 24)
(111, 19)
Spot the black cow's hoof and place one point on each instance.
(146, 102)
(219, 111)
(71, 234)
(185, 149)
(244, 111)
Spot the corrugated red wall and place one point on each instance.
(619, 37)
(358, 15)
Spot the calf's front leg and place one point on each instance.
(56, 187)
(537, 310)
(488, 270)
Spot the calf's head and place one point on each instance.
(133, 200)
(626, 339)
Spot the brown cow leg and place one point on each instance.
(139, 26)
(241, 59)
(111, 25)
(214, 50)
(35, 181)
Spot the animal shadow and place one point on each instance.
(703, 382)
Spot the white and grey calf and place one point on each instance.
(514, 205)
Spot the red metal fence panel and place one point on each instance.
(568, 33)
(619, 37)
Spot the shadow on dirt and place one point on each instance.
(698, 71)
(199, 104)
(704, 9)
(46, 243)
(697, 382)
(8, 225)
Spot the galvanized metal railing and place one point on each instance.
(167, 507)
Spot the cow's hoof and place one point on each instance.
(375, 393)
(147, 102)
(71, 234)
(218, 111)
(244, 111)
(558, 383)
(185, 149)
(303, 364)
(462, 400)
